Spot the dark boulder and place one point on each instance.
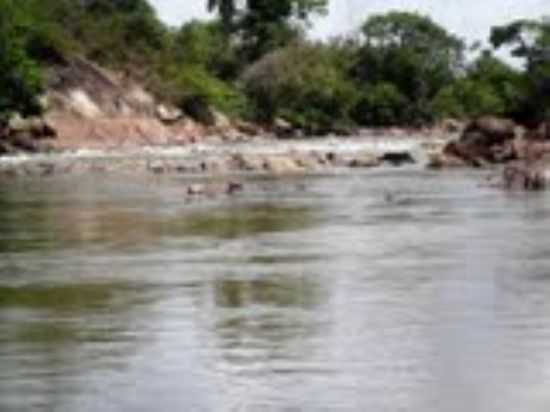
(27, 135)
(486, 140)
(398, 158)
(283, 129)
(488, 131)
(234, 187)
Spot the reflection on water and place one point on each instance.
(275, 290)
(35, 226)
(388, 291)
(58, 298)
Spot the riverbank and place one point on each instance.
(100, 121)
(260, 155)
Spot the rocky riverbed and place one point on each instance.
(229, 163)
(519, 157)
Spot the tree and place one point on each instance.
(225, 8)
(382, 105)
(204, 44)
(489, 86)
(412, 53)
(264, 25)
(530, 40)
(117, 33)
(197, 69)
(304, 83)
(20, 80)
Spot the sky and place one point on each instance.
(469, 19)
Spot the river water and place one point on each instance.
(388, 290)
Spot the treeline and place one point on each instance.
(255, 62)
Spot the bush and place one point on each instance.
(206, 45)
(115, 33)
(302, 83)
(382, 105)
(488, 87)
(20, 79)
(190, 87)
(404, 61)
(468, 98)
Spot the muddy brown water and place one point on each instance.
(388, 290)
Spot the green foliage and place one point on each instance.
(382, 105)
(414, 55)
(197, 68)
(265, 25)
(193, 88)
(466, 98)
(530, 40)
(20, 79)
(304, 83)
(205, 45)
(254, 62)
(489, 87)
(116, 33)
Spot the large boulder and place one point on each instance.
(168, 114)
(486, 140)
(282, 128)
(307, 161)
(26, 135)
(451, 125)
(247, 128)
(33, 127)
(489, 130)
(440, 160)
(364, 160)
(398, 158)
(282, 165)
(248, 162)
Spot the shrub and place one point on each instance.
(488, 87)
(20, 79)
(206, 45)
(192, 86)
(303, 83)
(382, 105)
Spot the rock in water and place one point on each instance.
(529, 178)
(196, 190)
(282, 165)
(397, 158)
(234, 187)
(364, 160)
(489, 130)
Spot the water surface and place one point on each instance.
(390, 290)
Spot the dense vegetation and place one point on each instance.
(255, 62)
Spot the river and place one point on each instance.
(385, 290)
